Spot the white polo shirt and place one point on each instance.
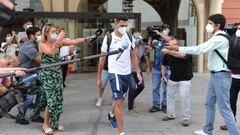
(123, 65)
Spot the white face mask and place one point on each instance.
(122, 30)
(209, 28)
(38, 39)
(165, 32)
(238, 33)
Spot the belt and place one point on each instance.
(213, 72)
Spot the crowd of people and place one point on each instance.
(171, 69)
(33, 48)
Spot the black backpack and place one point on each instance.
(233, 59)
(109, 41)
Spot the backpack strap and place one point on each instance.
(224, 35)
(218, 53)
(109, 41)
(130, 38)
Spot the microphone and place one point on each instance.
(93, 37)
(155, 44)
(124, 46)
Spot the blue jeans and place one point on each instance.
(218, 92)
(156, 83)
(23, 108)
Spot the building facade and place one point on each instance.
(187, 25)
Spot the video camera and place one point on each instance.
(15, 94)
(160, 28)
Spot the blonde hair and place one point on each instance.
(45, 30)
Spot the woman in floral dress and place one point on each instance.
(51, 78)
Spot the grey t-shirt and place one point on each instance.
(141, 51)
(27, 53)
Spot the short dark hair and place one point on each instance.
(122, 18)
(32, 31)
(165, 26)
(218, 19)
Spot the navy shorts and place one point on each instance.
(119, 85)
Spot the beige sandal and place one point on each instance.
(49, 131)
(59, 128)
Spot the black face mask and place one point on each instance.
(6, 16)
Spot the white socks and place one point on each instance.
(111, 114)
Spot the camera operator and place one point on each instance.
(9, 64)
(6, 64)
(157, 43)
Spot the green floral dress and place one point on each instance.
(52, 84)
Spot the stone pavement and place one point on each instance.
(81, 117)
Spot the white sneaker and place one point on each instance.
(122, 133)
(200, 132)
(99, 102)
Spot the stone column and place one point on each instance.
(202, 14)
(216, 6)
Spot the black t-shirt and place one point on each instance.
(181, 68)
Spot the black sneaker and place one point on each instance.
(223, 127)
(112, 120)
(164, 109)
(22, 121)
(154, 109)
(38, 119)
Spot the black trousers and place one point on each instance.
(134, 89)
(64, 72)
(235, 87)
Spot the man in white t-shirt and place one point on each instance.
(119, 69)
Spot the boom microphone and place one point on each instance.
(120, 50)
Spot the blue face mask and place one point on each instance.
(138, 38)
(54, 37)
(38, 39)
